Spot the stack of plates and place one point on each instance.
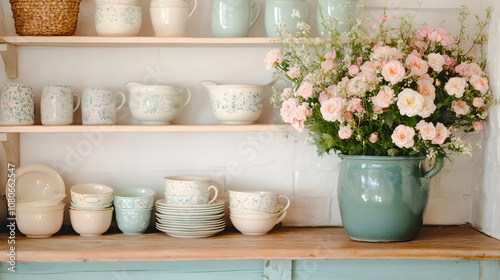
(190, 221)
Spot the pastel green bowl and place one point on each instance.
(133, 221)
(134, 198)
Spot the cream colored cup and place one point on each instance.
(189, 190)
(57, 105)
(257, 201)
(99, 106)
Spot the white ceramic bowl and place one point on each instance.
(22, 207)
(118, 20)
(91, 194)
(89, 222)
(48, 200)
(255, 226)
(39, 224)
(37, 182)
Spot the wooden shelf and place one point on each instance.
(146, 128)
(8, 44)
(433, 243)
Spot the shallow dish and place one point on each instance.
(197, 234)
(37, 182)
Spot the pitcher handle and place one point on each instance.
(438, 165)
(76, 102)
(194, 8)
(188, 92)
(123, 100)
(258, 13)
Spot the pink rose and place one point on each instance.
(298, 125)
(402, 136)
(480, 83)
(302, 112)
(478, 102)
(417, 65)
(377, 110)
(359, 60)
(287, 110)
(345, 132)
(306, 90)
(441, 134)
(383, 17)
(273, 58)
(368, 68)
(423, 32)
(393, 72)
(353, 70)
(327, 65)
(347, 116)
(427, 130)
(373, 137)
(293, 73)
(478, 126)
(427, 89)
(332, 109)
(355, 105)
(456, 86)
(384, 97)
(449, 61)
(330, 55)
(468, 69)
(435, 61)
(428, 108)
(332, 90)
(460, 107)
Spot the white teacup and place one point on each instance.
(189, 190)
(17, 105)
(99, 106)
(170, 18)
(118, 20)
(58, 103)
(257, 201)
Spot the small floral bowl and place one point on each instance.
(91, 194)
(134, 198)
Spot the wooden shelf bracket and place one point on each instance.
(9, 56)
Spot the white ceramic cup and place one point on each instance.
(189, 190)
(257, 201)
(170, 19)
(58, 103)
(99, 106)
(17, 105)
(118, 20)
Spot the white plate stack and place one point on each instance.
(190, 221)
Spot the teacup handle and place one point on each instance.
(287, 202)
(76, 102)
(188, 92)
(194, 8)
(212, 187)
(258, 12)
(123, 100)
(281, 217)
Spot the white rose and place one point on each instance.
(436, 61)
(410, 102)
(456, 87)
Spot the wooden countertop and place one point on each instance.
(433, 243)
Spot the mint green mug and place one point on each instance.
(279, 12)
(233, 18)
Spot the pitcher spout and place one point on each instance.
(209, 84)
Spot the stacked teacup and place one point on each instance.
(133, 209)
(170, 17)
(118, 17)
(256, 212)
(91, 209)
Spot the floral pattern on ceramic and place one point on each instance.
(58, 103)
(17, 105)
(256, 201)
(188, 199)
(233, 103)
(91, 199)
(133, 202)
(133, 221)
(99, 106)
(118, 20)
(189, 185)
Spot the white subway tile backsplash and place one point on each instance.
(309, 212)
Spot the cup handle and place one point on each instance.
(283, 215)
(122, 102)
(188, 92)
(76, 102)
(215, 195)
(194, 8)
(287, 202)
(254, 3)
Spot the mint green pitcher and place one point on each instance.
(383, 198)
(335, 13)
(233, 18)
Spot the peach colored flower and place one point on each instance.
(332, 90)
(436, 62)
(298, 125)
(332, 109)
(393, 72)
(441, 134)
(386, 53)
(410, 102)
(330, 55)
(302, 112)
(306, 90)
(460, 107)
(478, 102)
(293, 73)
(423, 32)
(273, 58)
(384, 97)
(402, 136)
(287, 110)
(427, 89)
(345, 132)
(417, 65)
(427, 130)
(456, 86)
(327, 65)
(373, 137)
(480, 83)
(478, 126)
(377, 110)
(368, 68)
(354, 105)
(353, 70)
(468, 69)
(428, 108)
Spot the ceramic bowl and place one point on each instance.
(257, 201)
(91, 194)
(79, 207)
(134, 198)
(49, 200)
(131, 221)
(255, 214)
(89, 222)
(37, 182)
(118, 20)
(255, 226)
(22, 207)
(39, 224)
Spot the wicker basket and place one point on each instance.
(45, 17)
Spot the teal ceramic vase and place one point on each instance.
(382, 198)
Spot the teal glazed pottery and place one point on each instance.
(382, 198)
(337, 12)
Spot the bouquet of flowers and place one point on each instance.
(385, 91)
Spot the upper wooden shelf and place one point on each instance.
(146, 128)
(433, 243)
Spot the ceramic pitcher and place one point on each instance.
(335, 13)
(233, 18)
(286, 12)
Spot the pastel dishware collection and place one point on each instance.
(39, 193)
(133, 209)
(91, 209)
(156, 104)
(57, 105)
(99, 106)
(17, 105)
(256, 212)
(233, 18)
(170, 17)
(284, 12)
(117, 18)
